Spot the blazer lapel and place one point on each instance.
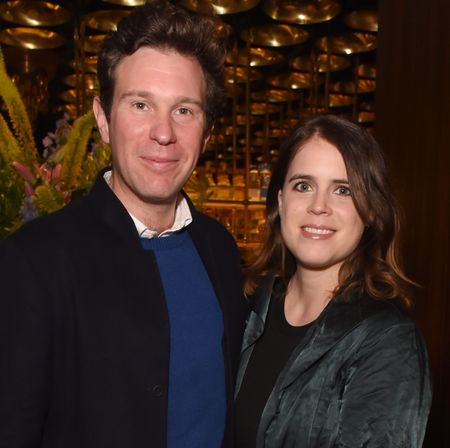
(255, 327)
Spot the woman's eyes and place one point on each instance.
(302, 186)
(343, 190)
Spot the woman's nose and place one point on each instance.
(319, 204)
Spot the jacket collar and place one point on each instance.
(107, 207)
(337, 319)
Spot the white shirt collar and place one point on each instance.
(183, 218)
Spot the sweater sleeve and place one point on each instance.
(387, 395)
(24, 351)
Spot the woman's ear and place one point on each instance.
(280, 201)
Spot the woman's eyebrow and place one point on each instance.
(309, 177)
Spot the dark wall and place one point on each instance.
(413, 125)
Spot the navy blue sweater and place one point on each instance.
(197, 405)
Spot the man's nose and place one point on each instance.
(162, 130)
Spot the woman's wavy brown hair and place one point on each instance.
(374, 263)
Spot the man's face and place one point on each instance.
(156, 127)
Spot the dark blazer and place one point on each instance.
(84, 331)
(359, 378)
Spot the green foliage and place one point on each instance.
(22, 130)
(48, 199)
(74, 150)
(95, 160)
(32, 184)
(11, 197)
(9, 147)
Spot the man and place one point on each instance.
(121, 315)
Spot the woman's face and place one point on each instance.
(319, 222)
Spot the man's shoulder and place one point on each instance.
(50, 228)
(213, 226)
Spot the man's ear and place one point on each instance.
(206, 137)
(100, 118)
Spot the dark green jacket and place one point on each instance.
(359, 378)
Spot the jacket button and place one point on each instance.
(157, 390)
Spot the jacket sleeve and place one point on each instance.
(387, 392)
(24, 351)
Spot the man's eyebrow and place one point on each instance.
(136, 93)
(146, 94)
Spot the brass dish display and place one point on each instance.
(334, 100)
(349, 43)
(261, 141)
(363, 19)
(232, 89)
(286, 123)
(272, 133)
(275, 95)
(367, 71)
(259, 108)
(22, 60)
(241, 74)
(233, 130)
(70, 95)
(93, 43)
(367, 106)
(70, 109)
(220, 6)
(105, 20)
(349, 86)
(126, 2)
(34, 13)
(259, 57)
(304, 12)
(31, 38)
(223, 30)
(294, 80)
(89, 65)
(241, 119)
(275, 35)
(366, 117)
(321, 63)
(309, 112)
(340, 100)
(89, 79)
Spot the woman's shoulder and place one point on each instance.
(362, 314)
(388, 311)
(383, 322)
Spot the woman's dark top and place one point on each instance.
(358, 378)
(270, 355)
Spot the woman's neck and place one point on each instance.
(308, 293)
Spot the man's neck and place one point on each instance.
(155, 216)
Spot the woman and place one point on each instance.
(329, 357)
